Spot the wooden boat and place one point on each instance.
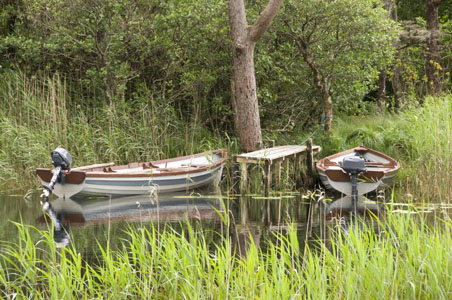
(169, 175)
(379, 170)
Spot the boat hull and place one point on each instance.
(364, 187)
(380, 171)
(140, 185)
(172, 175)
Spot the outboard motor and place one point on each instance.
(62, 161)
(354, 166)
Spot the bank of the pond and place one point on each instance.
(404, 259)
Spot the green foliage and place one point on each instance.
(176, 51)
(349, 42)
(109, 50)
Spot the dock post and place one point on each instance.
(278, 174)
(309, 163)
(267, 178)
(244, 178)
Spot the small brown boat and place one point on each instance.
(372, 169)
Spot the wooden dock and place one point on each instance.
(275, 157)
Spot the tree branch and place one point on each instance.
(264, 20)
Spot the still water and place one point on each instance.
(90, 221)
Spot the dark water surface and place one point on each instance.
(90, 221)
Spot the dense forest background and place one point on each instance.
(141, 79)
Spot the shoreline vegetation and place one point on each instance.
(403, 257)
(37, 116)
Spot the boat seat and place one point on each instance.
(108, 170)
(149, 165)
(194, 165)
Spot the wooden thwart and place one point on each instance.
(268, 157)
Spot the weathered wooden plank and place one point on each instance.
(269, 156)
(274, 153)
(94, 166)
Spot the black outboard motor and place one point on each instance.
(61, 160)
(354, 166)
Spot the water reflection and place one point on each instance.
(253, 219)
(60, 226)
(137, 208)
(342, 208)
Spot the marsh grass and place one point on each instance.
(39, 114)
(405, 258)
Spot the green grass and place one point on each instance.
(405, 258)
(38, 114)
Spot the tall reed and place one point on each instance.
(406, 259)
(40, 114)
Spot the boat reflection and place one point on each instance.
(165, 207)
(342, 208)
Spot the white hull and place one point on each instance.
(363, 187)
(139, 185)
(169, 175)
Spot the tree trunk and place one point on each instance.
(244, 39)
(246, 103)
(432, 55)
(327, 111)
(391, 8)
(397, 85)
(323, 85)
(381, 90)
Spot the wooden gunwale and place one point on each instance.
(392, 166)
(73, 177)
(165, 173)
(341, 176)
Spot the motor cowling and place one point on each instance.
(353, 165)
(61, 158)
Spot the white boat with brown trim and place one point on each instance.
(377, 170)
(169, 175)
